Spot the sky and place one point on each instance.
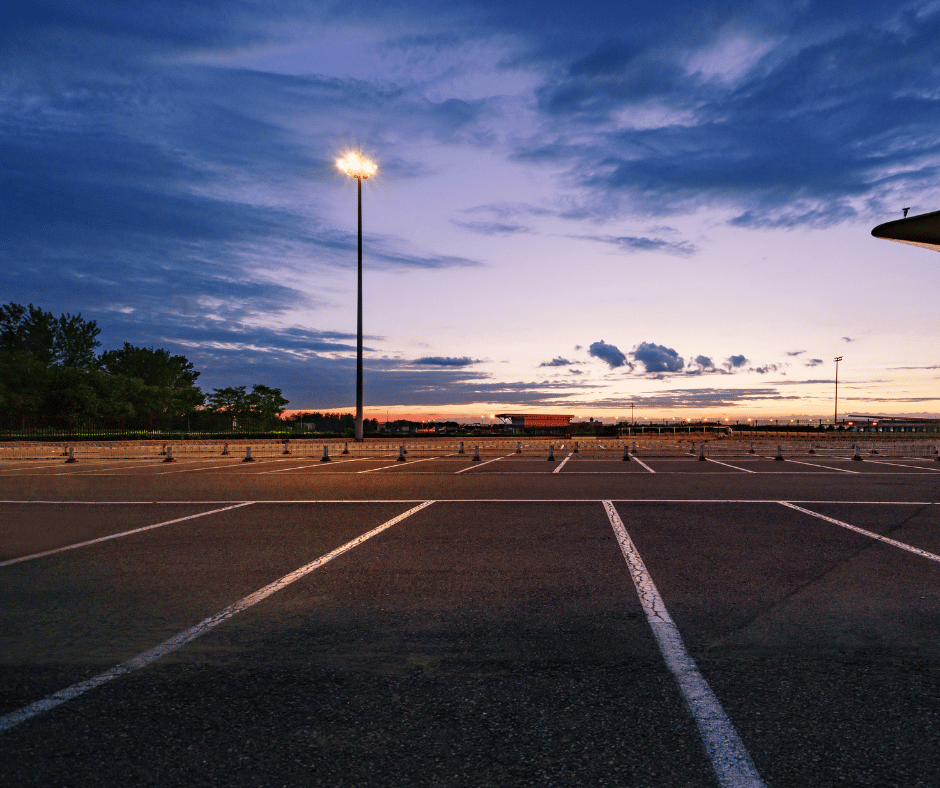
(578, 207)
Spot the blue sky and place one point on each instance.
(577, 207)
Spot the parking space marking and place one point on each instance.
(825, 467)
(13, 719)
(898, 465)
(729, 466)
(642, 464)
(879, 537)
(315, 464)
(234, 464)
(562, 463)
(471, 467)
(119, 535)
(386, 467)
(730, 760)
(86, 471)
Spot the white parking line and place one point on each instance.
(562, 463)
(730, 760)
(234, 464)
(402, 465)
(86, 471)
(899, 465)
(13, 719)
(642, 464)
(727, 465)
(879, 537)
(480, 465)
(826, 467)
(119, 535)
(315, 464)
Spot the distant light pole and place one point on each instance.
(632, 421)
(835, 418)
(355, 165)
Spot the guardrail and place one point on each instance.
(195, 450)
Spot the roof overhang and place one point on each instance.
(922, 231)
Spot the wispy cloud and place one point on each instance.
(446, 361)
(631, 243)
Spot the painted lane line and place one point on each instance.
(730, 760)
(119, 535)
(386, 467)
(642, 464)
(729, 466)
(86, 471)
(13, 719)
(480, 465)
(898, 465)
(562, 463)
(825, 467)
(879, 537)
(234, 464)
(315, 464)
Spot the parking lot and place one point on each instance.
(681, 618)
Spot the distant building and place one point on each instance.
(527, 421)
(891, 423)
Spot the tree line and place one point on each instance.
(52, 375)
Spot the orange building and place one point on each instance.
(527, 421)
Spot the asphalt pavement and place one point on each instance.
(443, 623)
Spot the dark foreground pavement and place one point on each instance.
(479, 641)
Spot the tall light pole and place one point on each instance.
(355, 165)
(835, 418)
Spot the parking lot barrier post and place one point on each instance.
(169, 454)
(551, 453)
(326, 454)
(519, 447)
(812, 448)
(751, 450)
(345, 448)
(576, 447)
(476, 454)
(858, 455)
(224, 449)
(779, 456)
(248, 457)
(401, 453)
(701, 453)
(71, 455)
(460, 450)
(626, 453)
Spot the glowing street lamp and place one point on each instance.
(355, 165)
